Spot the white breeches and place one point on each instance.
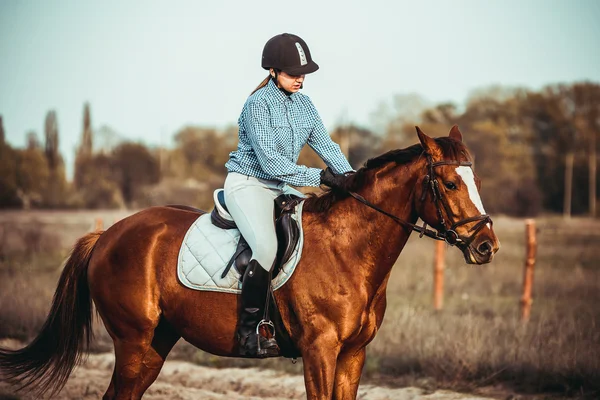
(250, 203)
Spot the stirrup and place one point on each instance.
(272, 347)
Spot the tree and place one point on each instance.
(205, 150)
(402, 109)
(2, 136)
(563, 110)
(86, 145)
(444, 113)
(55, 194)
(134, 167)
(557, 141)
(395, 120)
(98, 185)
(51, 132)
(106, 139)
(8, 177)
(32, 176)
(497, 133)
(363, 143)
(587, 100)
(33, 142)
(84, 152)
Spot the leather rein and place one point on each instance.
(450, 236)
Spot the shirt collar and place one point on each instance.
(275, 91)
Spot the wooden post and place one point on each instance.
(99, 224)
(526, 300)
(438, 275)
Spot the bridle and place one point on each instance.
(449, 235)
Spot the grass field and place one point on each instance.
(477, 340)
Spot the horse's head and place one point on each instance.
(447, 198)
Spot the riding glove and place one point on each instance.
(333, 180)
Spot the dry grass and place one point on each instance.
(476, 340)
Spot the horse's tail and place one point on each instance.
(46, 363)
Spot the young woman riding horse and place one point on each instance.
(275, 124)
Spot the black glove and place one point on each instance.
(333, 180)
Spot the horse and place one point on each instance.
(332, 306)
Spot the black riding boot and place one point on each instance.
(255, 286)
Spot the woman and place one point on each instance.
(275, 123)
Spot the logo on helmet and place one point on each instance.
(301, 54)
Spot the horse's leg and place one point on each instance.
(319, 356)
(110, 392)
(164, 339)
(347, 374)
(129, 354)
(132, 329)
(139, 361)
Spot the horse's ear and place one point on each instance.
(429, 145)
(455, 133)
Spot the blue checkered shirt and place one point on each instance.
(273, 128)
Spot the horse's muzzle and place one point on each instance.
(481, 250)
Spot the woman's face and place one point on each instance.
(291, 83)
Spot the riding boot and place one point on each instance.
(255, 287)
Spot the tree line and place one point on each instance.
(536, 151)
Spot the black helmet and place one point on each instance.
(288, 53)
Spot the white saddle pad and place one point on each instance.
(206, 250)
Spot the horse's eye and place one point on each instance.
(450, 185)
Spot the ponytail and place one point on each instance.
(261, 85)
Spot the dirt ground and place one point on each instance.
(185, 381)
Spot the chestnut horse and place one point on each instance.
(332, 306)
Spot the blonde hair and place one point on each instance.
(262, 84)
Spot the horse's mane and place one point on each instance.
(451, 148)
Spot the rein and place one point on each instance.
(450, 236)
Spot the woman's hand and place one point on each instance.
(333, 180)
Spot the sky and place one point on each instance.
(149, 68)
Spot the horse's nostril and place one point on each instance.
(484, 248)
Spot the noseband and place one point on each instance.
(431, 182)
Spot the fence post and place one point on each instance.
(99, 224)
(438, 275)
(531, 242)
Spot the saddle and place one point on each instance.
(286, 228)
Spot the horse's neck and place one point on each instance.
(370, 241)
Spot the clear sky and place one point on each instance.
(148, 68)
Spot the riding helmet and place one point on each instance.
(288, 53)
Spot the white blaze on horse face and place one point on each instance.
(466, 173)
